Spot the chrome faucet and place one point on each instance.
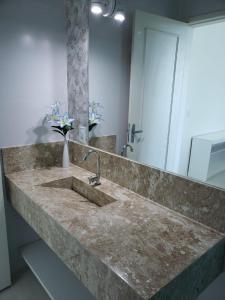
(124, 151)
(94, 180)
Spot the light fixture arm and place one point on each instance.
(110, 8)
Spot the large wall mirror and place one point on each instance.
(156, 84)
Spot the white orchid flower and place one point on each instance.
(65, 121)
(55, 110)
(60, 122)
(94, 116)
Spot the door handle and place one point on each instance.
(134, 132)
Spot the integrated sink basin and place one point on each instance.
(92, 193)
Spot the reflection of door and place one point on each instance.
(157, 71)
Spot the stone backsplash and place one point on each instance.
(16, 159)
(205, 204)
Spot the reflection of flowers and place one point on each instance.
(95, 117)
(60, 123)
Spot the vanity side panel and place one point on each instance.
(5, 278)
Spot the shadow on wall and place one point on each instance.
(42, 133)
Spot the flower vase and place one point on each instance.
(92, 134)
(66, 159)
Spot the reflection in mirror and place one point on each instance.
(156, 84)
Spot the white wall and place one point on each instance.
(109, 64)
(206, 90)
(32, 68)
(33, 75)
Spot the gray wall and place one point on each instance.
(32, 68)
(109, 69)
(109, 64)
(32, 76)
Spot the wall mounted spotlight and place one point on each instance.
(107, 8)
(96, 8)
(119, 16)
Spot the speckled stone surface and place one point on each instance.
(195, 200)
(29, 157)
(106, 143)
(77, 62)
(130, 249)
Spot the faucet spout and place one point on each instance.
(124, 151)
(94, 180)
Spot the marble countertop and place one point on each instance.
(129, 249)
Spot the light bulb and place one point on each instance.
(96, 8)
(119, 16)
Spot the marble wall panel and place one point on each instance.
(77, 62)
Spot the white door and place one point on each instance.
(4, 256)
(159, 58)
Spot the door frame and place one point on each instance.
(207, 18)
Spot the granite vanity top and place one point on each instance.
(128, 249)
